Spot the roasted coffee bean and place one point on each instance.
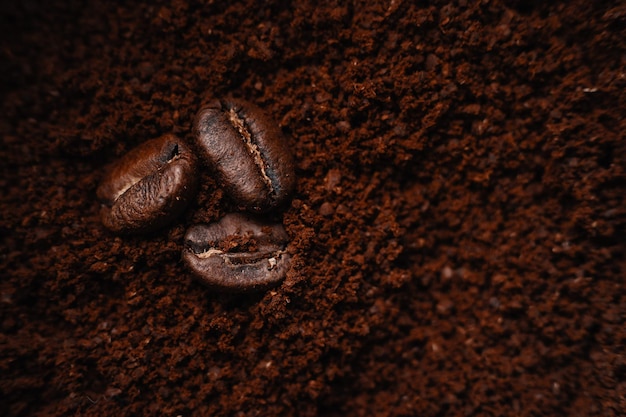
(149, 186)
(248, 152)
(237, 254)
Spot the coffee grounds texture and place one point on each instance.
(457, 229)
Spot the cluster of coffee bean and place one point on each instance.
(151, 185)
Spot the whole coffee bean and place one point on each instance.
(248, 152)
(237, 254)
(149, 186)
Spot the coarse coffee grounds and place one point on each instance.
(457, 225)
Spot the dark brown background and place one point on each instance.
(457, 230)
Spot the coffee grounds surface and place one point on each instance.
(457, 229)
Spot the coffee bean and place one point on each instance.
(237, 254)
(149, 186)
(248, 152)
